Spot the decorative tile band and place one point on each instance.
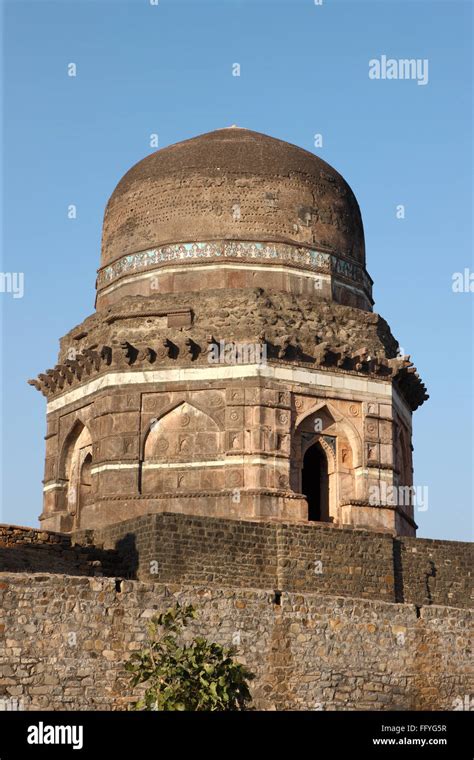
(230, 249)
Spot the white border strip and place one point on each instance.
(223, 372)
(52, 486)
(216, 462)
(114, 466)
(232, 460)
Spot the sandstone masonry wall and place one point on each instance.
(436, 572)
(32, 550)
(64, 640)
(315, 558)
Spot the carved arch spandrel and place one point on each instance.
(168, 409)
(344, 428)
(183, 430)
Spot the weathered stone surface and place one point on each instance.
(234, 367)
(309, 651)
(31, 550)
(236, 184)
(172, 548)
(313, 558)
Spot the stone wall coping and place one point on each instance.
(129, 586)
(157, 516)
(29, 529)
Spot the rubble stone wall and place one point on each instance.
(64, 641)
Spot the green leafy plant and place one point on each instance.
(196, 676)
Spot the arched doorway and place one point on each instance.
(315, 483)
(85, 485)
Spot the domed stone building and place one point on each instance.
(234, 366)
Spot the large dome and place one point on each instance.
(231, 185)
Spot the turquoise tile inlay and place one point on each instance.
(291, 254)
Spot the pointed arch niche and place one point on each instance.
(182, 434)
(75, 470)
(326, 452)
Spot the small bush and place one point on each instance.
(196, 676)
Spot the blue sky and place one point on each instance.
(167, 69)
